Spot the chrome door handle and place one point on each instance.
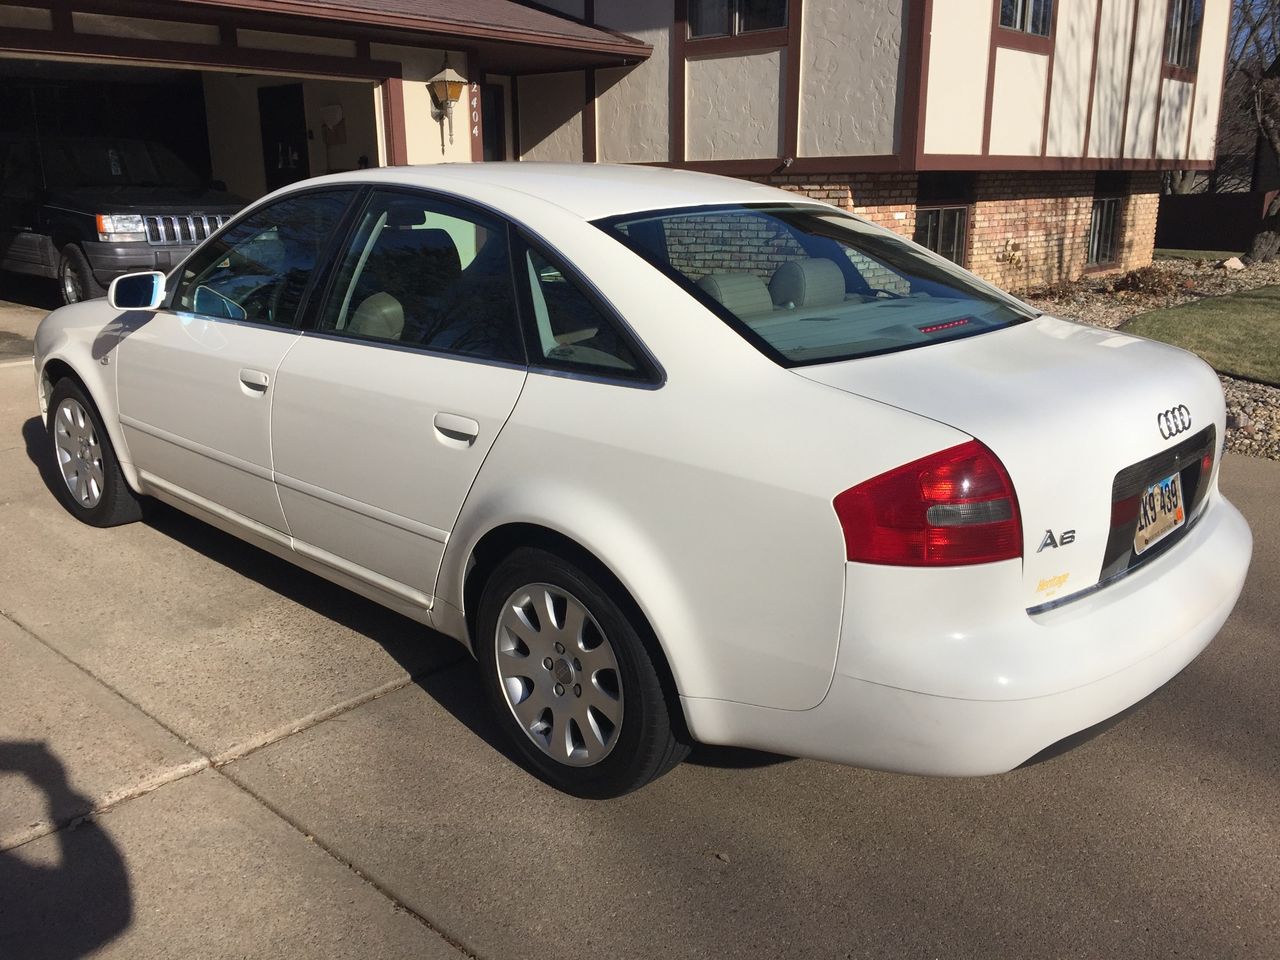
(255, 380)
(455, 430)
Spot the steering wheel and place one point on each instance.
(263, 303)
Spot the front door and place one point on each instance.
(196, 380)
(284, 135)
(384, 413)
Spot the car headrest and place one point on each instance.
(812, 282)
(406, 214)
(741, 294)
(380, 315)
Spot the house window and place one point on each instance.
(728, 18)
(1182, 36)
(1102, 231)
(942, 230)
(1028, 16)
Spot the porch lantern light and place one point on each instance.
(446, 89)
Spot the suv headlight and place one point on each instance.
(119, 227)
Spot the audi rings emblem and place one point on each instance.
(1173, 422)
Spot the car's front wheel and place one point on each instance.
(75, 277)
(573, 681)
(88, 482)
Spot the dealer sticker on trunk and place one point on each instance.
(1160, 512)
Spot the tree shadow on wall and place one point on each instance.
(70, 908)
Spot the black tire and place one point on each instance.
(75, 277)
(647, 744)
(116, 503)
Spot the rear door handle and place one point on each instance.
(255, 380)
(455, 430)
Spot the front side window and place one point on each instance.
(258, 269)
(1028, 16)
(725, 18)
(942, 230)
(1182, 33)
(427, 273)
(1102, 231)
(809, 284)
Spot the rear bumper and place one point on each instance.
(111, 260)
(961, 699)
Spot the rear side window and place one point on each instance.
(808, 284)
(571, 331)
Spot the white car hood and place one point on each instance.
(1065, 407)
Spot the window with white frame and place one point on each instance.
(1182, 33)
(1028, 16)
(728, 18)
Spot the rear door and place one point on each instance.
(384, 413)
(195, 380)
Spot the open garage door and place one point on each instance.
(107, 169)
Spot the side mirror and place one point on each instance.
(136, 291)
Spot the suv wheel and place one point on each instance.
(75, 276)
(572, 680)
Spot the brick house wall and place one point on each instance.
(1025, 230)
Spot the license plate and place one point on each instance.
(1160, 512)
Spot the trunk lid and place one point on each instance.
(1074, 414)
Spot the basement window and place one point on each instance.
(1182, 35)
(1027, 16)
(729, 18)
(942, 230)
(1102, 231)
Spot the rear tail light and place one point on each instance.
(950, 508)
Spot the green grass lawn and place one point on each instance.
(1165, 254)
(1237, 335)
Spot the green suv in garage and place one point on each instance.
(85, 210)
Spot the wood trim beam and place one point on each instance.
(590, 138)
(394, 123)
(741, 43)
(990, 95)
(195, 55)
(1128, 79)
(915, 83)
(676, 125)
(978, 162)
(790, 92)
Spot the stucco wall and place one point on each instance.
(1112, 75)
(1213, 48)
(1072, 65)
(1175, 116)
(422, 133)
(551, 116)
(235, 137)
(956, 104)
(1017, 102)
(732, 106)
(631, 102)
(850, 72)
(1148, 55)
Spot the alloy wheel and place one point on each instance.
(559, 675)
(79, 453)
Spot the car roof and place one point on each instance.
(589, 190)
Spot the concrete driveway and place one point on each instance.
(205, 752)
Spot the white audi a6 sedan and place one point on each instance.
(678, 458)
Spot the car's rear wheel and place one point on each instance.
(88, 482)
(75, 277)
(573, 681)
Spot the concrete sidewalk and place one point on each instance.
(205, 752)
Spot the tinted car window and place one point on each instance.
(430, 274)
(258, 269)
(571, 332)
(811, 285)
(102, 161)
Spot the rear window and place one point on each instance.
(809, 284)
